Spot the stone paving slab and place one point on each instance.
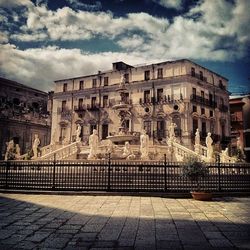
(33, 221)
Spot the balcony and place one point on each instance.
(80, 109)
(147, 101)
(203, 101)
(64, 112)
(198, 76)
(223, 108)
(93, 107)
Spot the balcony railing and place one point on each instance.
(80, 108)
(203, 101)
(93, 107)
(161, 100)
(198, 76)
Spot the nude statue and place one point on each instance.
(127, 152)
(144, 148)
(209, 142)
(78, 132)
(35, 145)
(197, 137)
(93, 144)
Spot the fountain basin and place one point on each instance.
(122, 138)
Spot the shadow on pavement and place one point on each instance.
(122, 222)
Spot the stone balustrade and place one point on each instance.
(61, 153)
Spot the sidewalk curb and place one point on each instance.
(115, 193)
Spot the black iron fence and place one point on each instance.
(112, 175)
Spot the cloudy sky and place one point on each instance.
(45, 40)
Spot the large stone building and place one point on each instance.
(240, 122)
(179, 91)
(23, 113)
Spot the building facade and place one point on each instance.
(23, 113)
(240, 122)
(179, 91)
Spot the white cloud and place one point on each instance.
(90, 7)
(4, 37)
(219, 31)
(174, 4)
(39, 67)
(131, 42)
(14, 3)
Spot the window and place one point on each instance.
(80, 103)
(201, 75)
(94, 83)
(160, 129)
(93, 102)
(159, 73)
(105, 131)
(202, 111)
(192, 71)
(210, 99)
(147, 96)
(202, 96)
(195, 125)
(81, 85)
(194, 93)
(203, 129)
(64, 105)
(105, 101)
(159, 95)
(126, 76)
(146, 75)
(126, 98)
(211, 113)
(147, 127)
(194, 109)
(106, 81)
(64, 87)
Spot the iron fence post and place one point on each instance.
(109, 163)
(219, 179)
(54, 172)
(165, 172)
(6, 174)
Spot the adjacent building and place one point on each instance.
(179, 91)
(240, 122)
(23, 113)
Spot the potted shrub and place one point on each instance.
(195, 171)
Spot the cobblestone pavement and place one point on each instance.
(122, 222)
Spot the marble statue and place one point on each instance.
(93, 145)
(35, 145)
(209, 142)
(127, 152)
(18, 151)
(78, 132)
(197, 137)
(197, 141)
(224, 157)
(171, 131)
(144, 147)
(123, 80)
(10, 151)
(239, 144)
